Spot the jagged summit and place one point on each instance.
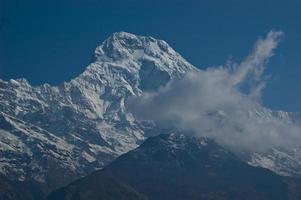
(131, 56)
(132, 53)
(121, 44)
(88, 113)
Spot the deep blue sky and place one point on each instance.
(53, 40)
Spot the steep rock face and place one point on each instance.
(81, 125)
(180, 167)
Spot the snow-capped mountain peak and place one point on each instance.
(125, 45)
(88, 112)
(133, 59)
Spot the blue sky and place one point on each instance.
(53, 40)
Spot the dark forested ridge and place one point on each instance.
(179, 167)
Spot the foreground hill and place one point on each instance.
(19, 190)
(181, 167)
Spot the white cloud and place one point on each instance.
(223, 103)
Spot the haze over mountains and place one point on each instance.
(137, 87)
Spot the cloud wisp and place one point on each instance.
(223, 103)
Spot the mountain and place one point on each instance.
(53, 135)
(176, 166)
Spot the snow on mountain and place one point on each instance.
(48, 132)
(285, 162)
(29, 150)
(282, 162)
(83, 124)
